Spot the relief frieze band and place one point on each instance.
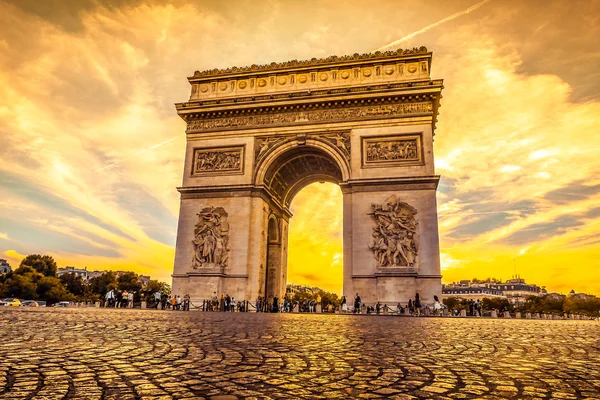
(389, 151)
(311, 116)
(223, 160)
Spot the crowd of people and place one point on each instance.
(175, 302)
(118, 299)
(413, 307)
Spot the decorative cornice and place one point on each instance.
(312, 62)
(303, 116)
(312, 94)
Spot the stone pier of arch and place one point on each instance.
(257, 135)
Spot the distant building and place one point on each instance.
(516, 290)
(468, 290)
(4, 267)
(83, 273)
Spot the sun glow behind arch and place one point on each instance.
(315, 238)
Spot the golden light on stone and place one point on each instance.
(374, 120)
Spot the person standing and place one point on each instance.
(436, 305)
(227, 302)
(110, 298)
(232, 304)
(378, 308)
(186, 302)
(130, 299)
(343, 306)
(156, 299)
(125, 299)
(411, 307)
(417, 304)
(357, 304)
(178, 302)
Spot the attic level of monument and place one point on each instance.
(335, 74)
(331, 61)
(339, 89)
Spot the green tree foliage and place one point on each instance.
(99, 285)
(548, 304)
(28, 283)
(582, 304)
(42, 263)
(74, 284)
(326, 297)
(129, 281)
(496, 303)
(329, 298)
(455, 303)
(154, 286)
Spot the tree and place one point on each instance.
(152, 287)
(495, 303)
(329, 298)
(41, 263)
(582, 304)
(129, 281)
(74, 284)
(99, 285)
(29, 284)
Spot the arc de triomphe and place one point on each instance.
(257, 135)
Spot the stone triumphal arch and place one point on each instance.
(257, 135)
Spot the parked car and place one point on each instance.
(30, 303)
(10, 301)
(41, 303)
(63, 304)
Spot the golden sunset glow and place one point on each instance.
(92, 149)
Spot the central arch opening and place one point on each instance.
(306, 249)
(315, 247)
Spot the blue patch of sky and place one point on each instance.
(37, 239)
(574, 191)
(153, 217)
(17, 186)
(543, 230)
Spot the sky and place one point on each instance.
(91, 148)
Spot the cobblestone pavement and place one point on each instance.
(134, 354)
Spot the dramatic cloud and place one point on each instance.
(92, 149)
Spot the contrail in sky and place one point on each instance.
(450, 18)
(136, 154)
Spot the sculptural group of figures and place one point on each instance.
(211, 236)
(388, 151)
(218, 160)
(395, 236)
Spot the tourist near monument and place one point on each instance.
(257, 135)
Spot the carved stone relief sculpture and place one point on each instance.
(342, 141)
(315, 116)
(211, 239)
(223, 160)
(399, 150)
(264, 144)
(395, 234)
